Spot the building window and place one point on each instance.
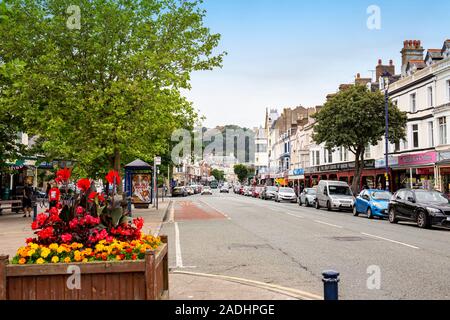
(448, 90)
(317, 158)
(343, 154)
(413, 106)
(367, 154)
(430, 96)
(324, 155)
(431, 133)
(405, 144)
(443, 130)
(415, 135)
(330, 156)
(397, 147)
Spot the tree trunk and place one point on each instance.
(359, 164)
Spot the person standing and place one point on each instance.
(26, 201)
(53, 196)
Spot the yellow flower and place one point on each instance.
(67, 260)
(53, 246)
(31, 252)
(61, 249)
(99, 247)
(55, 259)
(40, 261)
(85, 260)
(45, 252)
(33, 246)
(22, 261)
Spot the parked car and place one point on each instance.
(426, 208)
(196, 188)
(247, 191)
(268, 193)
(224, 189)
(179, 192)
(256, 192)
(190, 191)
(207, 190)
(285, 194)
(334, 195)
(374, 203)
(214, 184)
(307, 197)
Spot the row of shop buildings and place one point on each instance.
(422, 160)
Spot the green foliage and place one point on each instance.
(109, 92)
(355, 118)
(242, 172)
(218, 174)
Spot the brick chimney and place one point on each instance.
(382, 69)
(412, 50)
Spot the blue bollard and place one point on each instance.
(34, 211)
(330, 285)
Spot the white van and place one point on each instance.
(334, 195)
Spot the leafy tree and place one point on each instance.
(355, 118)
(110, 91)
(10, 124)
(242, 172)
(219, 175)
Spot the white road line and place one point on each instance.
(293, 215)
(179, 259)
(328, 224)
(393, 241)
(224, 214)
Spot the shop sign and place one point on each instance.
(381, 163)
(417, 159)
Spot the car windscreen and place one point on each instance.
(272, 189)
(287, 190)
(340, 190)
(430, 196)
(381, 195)
(311, 191)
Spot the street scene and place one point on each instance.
(193, 150)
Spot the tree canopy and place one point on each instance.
(354, 119)
(108, 91)
(242, 172)
(219, 175)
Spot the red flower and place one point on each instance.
(45, 233)
(73, 223)
(53, 210)
(134, 257)
(66, 238)
(113, 177)
(63, 175)
(29, 240)
(139, 223)
(84, 184)
(80, 210)
(93, 195)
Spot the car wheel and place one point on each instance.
(392, 216)
(317, 205)
(355, 212)
(369, 213)
(423, 221)
(329, 206)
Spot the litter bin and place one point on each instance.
(6, 193)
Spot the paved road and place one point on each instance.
(290, 246)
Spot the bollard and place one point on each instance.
(34, 211)
(330, 285)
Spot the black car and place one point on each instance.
(179, 192)
(424, 207)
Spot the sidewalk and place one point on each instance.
(192, 287)
(14, 229)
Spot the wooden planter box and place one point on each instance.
(122, 280)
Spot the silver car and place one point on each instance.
(334, 195)
(307, 197)
(285, 194)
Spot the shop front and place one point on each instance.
(343, 172)
(415, 171)
(297, 179)
(442, 170)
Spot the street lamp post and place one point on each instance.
(385, 86)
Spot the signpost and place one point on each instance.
(156, 162)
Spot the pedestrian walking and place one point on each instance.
(26, 200)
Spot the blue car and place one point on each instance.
(373, 203)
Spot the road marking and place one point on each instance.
(293, 215)
(302, 295)
(224, 214)
(179, 259)
(393, 241)
(328, 224)
(172, 214)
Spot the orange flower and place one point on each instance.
(22, 261)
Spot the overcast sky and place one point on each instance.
(285, 53)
